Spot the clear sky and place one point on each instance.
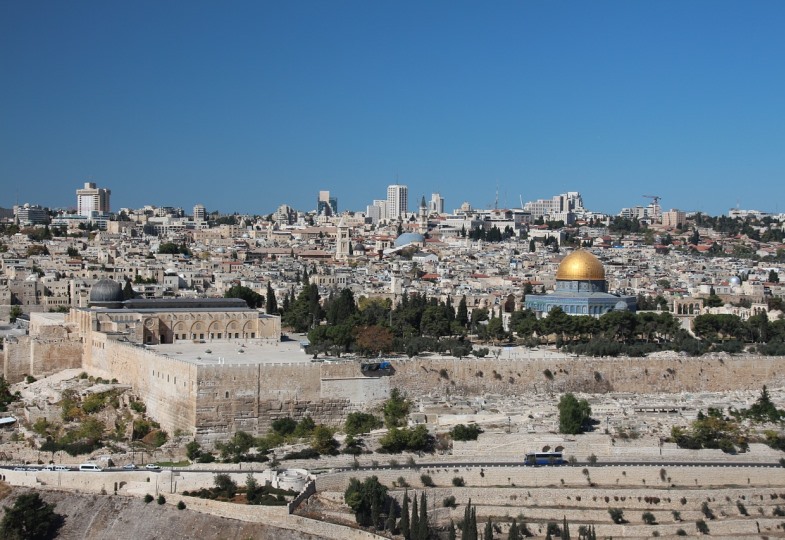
(245, 105)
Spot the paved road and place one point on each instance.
(487, 464)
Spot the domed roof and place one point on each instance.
(106, 290)
(409, 238)
(580, 265)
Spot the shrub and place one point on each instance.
(306, 453)
(30, 379)
(138, 406)
(681, 532)
(676, 515)
(465, 433)
(742, 508)
(161, 499)
(426, 480)
(457, 481)
(181, 505)
(702, 527)
(617, 515)
(648, 518)
(358, 422)
(778, 511)
(449, 502)
(148, 498)
(707, 511)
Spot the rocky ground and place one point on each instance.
(98, 517)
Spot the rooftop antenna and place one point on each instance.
(496, 202)
(521, 198)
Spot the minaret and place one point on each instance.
(342, 242)
(422, 219)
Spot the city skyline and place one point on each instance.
(247, 107)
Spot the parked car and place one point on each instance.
(129, 467)
(62, 468)
(89, 467)
(152, 467)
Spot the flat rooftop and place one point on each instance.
(246, 352)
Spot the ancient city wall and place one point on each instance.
(249, 397)
(513, 376)
(166, 385)
(29, 356)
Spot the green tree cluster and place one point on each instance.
(416, 439)
(251, 297)
(30, 518)
(463, 432)
(368, 500)
(359, 422)
(574, 415)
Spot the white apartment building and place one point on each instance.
(437, 204)
(397, 201)
(91, 199)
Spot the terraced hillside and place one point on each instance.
(650, 501)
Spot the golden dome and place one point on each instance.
(580, 265)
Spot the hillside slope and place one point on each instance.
(102, 517)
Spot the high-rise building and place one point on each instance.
(397, 201)
(30, 214)
(674, 218)
(91, 199)
(200, 213)
(326, 205)
(437, 204)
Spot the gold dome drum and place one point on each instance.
(580, 265)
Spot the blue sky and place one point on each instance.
(243, 106)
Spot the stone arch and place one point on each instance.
(215, 330)
(249, 330)
(233, 329)
(180, 330)
(546, 448)
(198, 330)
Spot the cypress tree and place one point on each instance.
(473, 524)
(404, 523)
(488, 534)
(414, 523)
(462, 315)
(451, 531)
(272, 304)
(305, 277)
(513, 535)
(565, 532)
(389, 523)
(375, 511)
(467, 517)
(423, 531)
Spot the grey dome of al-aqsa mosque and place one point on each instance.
(106, 293)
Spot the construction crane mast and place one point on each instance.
(657, 217)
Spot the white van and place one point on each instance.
(89, 467)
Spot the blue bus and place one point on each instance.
(544, 458)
